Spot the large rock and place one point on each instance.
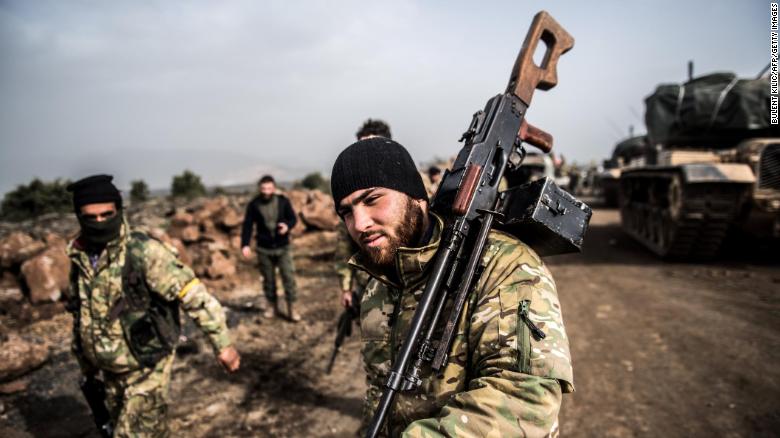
(298, 199)
(53, 239)
(18, 247)
(187, 234)
(319, 213)
(18, 357)
(10, 290)
(220, 266)
(210, 208)
(228, 218)
(182, 219)
(46, 275)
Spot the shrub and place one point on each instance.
(187, 185)
(139, 191)
(37, 198)
(315, 181)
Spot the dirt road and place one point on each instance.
(660, 349)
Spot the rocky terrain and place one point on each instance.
(659, 349)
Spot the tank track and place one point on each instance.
(675, 220)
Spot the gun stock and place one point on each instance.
(526, 75)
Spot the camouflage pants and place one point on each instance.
(269, 260)
(138, 400)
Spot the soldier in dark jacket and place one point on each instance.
(273, 217)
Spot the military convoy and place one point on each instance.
(712, 167)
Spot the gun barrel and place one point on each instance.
(332, 359)
(397, 377)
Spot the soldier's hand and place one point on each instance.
(283, 228)
(230, 359)
(346, 298)
(246, 252)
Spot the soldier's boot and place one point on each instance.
(271, 310)
(291, 313)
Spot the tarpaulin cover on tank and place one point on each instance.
(707, 106)
(630, 148)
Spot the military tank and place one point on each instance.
(713, 167)
(627, 153)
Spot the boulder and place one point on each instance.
(18, 247)
(14, 386)
(220, 266)
(53, 239)
(182, 219)
(228, 218)
(319, 213)
(187, 233)
(18, 357)
(210, 208)
(46, 275)
(298, 199)
(10, 290)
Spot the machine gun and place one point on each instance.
(470, 202)
(344, 327)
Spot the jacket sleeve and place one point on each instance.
(172, 280)
(73, 306)
(518, 378)
(288, 214)
(249, 221)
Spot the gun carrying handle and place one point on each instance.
(527, 76)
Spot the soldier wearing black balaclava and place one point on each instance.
(97, 229)
(126, 292)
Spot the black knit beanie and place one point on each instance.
(93, 190)
(375, 162)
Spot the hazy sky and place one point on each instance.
(232, 89)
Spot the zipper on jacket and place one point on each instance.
(525, 328)
(525, 306)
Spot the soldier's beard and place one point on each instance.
(406, 232)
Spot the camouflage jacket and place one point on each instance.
(96, 290)
(500, 380)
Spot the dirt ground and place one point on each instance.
(659, 349)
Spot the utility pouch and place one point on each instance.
(150, 324)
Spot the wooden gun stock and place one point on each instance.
(526, 75)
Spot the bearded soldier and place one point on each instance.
(349, 278)
(509, 363)
(126, 292)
